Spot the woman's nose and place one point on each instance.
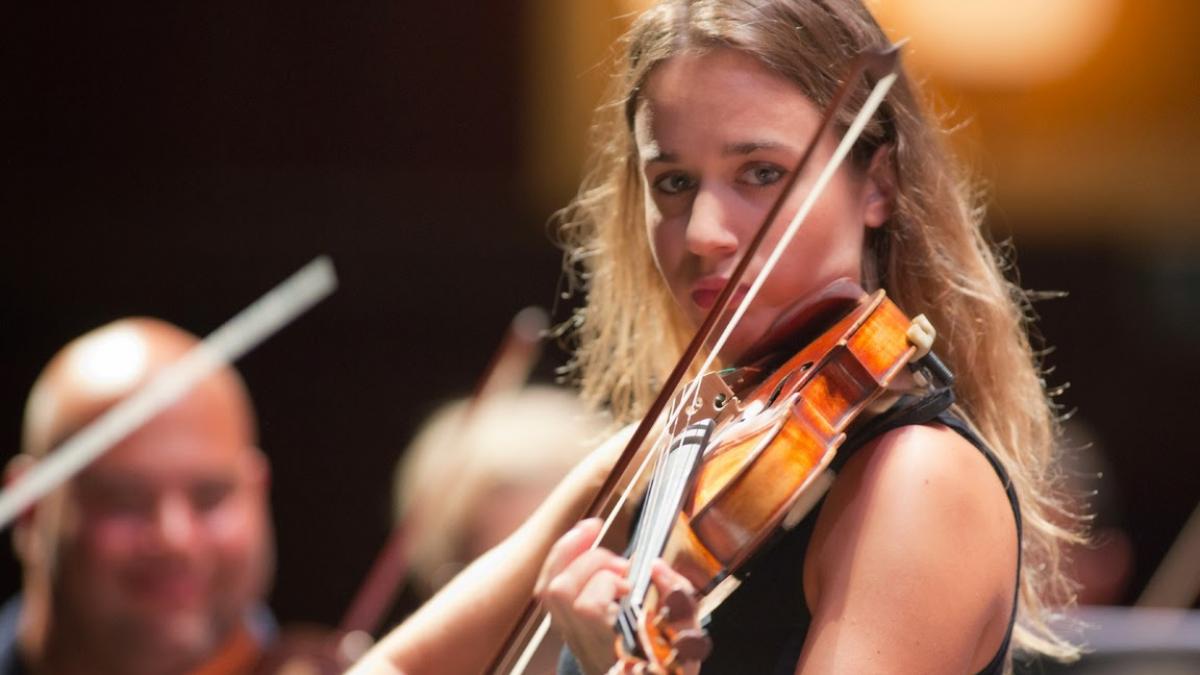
(711, 231)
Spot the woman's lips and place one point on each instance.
(705, 293)
(704, 298)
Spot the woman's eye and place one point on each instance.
(673, 183)
(762, 174)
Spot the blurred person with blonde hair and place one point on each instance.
(477, 469)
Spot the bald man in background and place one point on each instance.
(155, 559)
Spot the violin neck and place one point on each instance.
(664, 500)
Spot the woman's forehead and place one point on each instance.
(723, 95)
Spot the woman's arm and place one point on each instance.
(913, 560)
(462, 627)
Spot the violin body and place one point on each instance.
(772, 437)
(758, 466)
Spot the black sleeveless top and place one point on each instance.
(761, 627)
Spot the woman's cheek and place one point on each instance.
(663, 248)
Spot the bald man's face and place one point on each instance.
(165, 541)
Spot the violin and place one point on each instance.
(744, 462)
(740, 451)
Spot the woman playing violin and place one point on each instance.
(936, 549)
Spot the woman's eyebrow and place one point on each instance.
(740, 148)
(749, 147)
(659, 156)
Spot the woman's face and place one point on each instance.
(717, 134)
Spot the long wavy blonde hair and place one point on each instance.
(931, 256)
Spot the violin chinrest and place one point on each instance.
(798, 324)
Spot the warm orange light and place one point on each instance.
(635, 7)
(998, 42)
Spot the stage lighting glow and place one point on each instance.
(998, 43)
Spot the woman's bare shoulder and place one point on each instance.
(915, 547)
(932, 478)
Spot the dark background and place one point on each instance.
(179, 160)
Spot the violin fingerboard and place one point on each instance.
(668, 487)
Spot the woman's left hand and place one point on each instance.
(580, 586)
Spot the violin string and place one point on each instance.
(681, 460)
(653, 497)
(646, 529)
(650, 527)
(658, 452)
(640, 574)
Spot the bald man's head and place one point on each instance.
(98, 369)
(149, 558)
